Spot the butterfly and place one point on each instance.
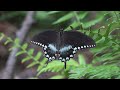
(62, 45)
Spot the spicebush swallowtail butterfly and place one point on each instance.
(62, 45)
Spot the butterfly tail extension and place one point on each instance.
(65, 64)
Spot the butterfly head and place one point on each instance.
(57, 54)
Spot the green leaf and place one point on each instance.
(81, 60)
(16, 41)
(10, 49)
(24, 46)
(8, 40)
(39, 68)
(79, 72)
(33, 78)
(73, 24)
(101, 40)
(57, 66)
(26, 59)
(41, 15)
(52, 66)
(11, 15)
(53, 12)
(37, 57)
(64, 18)
(30, 51)
(57, 77)
(1, 36)
(108, 29)
(19, 53)
(98, 50)
(92, 22)
(32, 64)
(42, 64)
(82, 15)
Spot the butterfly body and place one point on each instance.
(62, 45)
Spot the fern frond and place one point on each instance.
(57, 66)
(23, 50)
(64, 18)
(95, 72)
(57, 77)
(1, 36)
(53, 12)
(92, 22)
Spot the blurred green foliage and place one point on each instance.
(102, 26)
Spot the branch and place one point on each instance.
(10, 65)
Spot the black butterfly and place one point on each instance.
(62, 45)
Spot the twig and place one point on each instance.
(10, 65)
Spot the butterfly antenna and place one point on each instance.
(65, 64)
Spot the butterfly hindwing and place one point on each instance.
(65, 53)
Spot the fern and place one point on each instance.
(78, 19)
(11, 14)
(57, 66)
(106, 53)
(107, 50)
(95, 72)
(54, 66)
(23, 50)
(57, 77)
(109, 43)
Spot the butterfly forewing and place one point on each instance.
(78, 40)
(47, 40)
(46, 37)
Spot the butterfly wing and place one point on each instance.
(70, 42)
(76, 41)
(45, 37)
(47, 41)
